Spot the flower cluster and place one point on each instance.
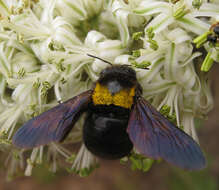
(43, 60)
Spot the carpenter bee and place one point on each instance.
(213, 38)
(117, 119)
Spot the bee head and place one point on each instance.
(124, 74)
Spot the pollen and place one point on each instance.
(123, 98)
(102, 95)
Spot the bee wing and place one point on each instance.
(52, 125)
(155, 136)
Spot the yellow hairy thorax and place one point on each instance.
(102, 96)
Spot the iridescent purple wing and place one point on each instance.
(52, 125)
(156, 137)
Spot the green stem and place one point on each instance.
(207, 63)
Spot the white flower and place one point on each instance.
(165, 14)
(84, 162)
(121, 12)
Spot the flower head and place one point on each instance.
(43, 60)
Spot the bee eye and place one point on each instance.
(103, 72)
(216, 30)
(212, 39)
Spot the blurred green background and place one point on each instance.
(113, 176)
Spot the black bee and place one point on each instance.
(214, 37)
(216, 29)
(118, 118)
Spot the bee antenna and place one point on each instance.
(100, 59)
(132, 66)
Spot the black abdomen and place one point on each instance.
(104, 132)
